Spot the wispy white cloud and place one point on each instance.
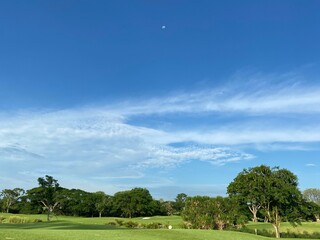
(90, 143)
(271, 94)
(311, 165)
(101, 142)
(168, 156)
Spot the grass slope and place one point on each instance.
(121, 234)
(75, 228)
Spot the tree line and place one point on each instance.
(260, 193)
(50, 198)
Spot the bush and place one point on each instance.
(19, 220)
(155, 225)
(2, 219)
(119, 222)
(305, 234)
(37, 220)
(260, 232)
(111, 223)
(186, 225)
(131, 224)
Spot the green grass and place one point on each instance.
(309, 227)
(76, 228)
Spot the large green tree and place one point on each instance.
(133, 203)
(46, 194)
(272, 190)
(77, 202)
(247, 187)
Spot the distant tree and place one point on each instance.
(122, 204)
(158, 208)
(46, 194)
(102, 201)
(273, 190)
(310, 211)
(133, 203)
(76, 202)
(198, 212)
(312, 196)
(10, 197)
(169, 207)
(180, 201)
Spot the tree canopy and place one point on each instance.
(46, 194)
(135, 202)
(273, 191)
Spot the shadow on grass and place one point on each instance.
(59, 225)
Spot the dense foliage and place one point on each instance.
(271, 192)
(204, 212)
(260, 193)
(50, 198)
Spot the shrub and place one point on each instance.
(119, 222)
(186, 225)
(18, 220)
(131, 224)
(261, 232)
(155, 225)
(37, 220)
(305, 234)
(2, 219)
(288, 234)
(111, 223)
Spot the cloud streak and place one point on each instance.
(246, 97)
(104, 143)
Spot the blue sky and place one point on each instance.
(101, 96)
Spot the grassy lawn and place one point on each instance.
(69, 228)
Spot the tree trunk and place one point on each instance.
(48, 215)
(277, 230)
(8, 205)
(99, 214)
(254, 209)
(276, 222)
(220, 224)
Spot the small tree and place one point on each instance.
(202, 212)
(198, 212)
(102, 201)
(10, 197)
(179, 203)
(312, 195)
